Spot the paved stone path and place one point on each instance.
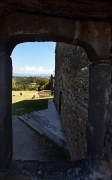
(36, 158)
(30, 145)
(47, 122)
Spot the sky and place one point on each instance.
(34, 58)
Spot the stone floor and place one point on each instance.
(48, 123)
(57, 170)
(30, 145)
(35, 157)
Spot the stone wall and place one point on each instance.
(71, 95)
(108, 139)
(52, 83)
(66, 8)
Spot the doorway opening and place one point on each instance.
(33, 64)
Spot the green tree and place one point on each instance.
(23, 83)
(13, 84)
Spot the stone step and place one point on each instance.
(51, 132)
(57, 170)
(32, 123)
(71, 170)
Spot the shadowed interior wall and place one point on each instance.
(71, 81)
(108, 139)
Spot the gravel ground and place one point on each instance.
(29, 145)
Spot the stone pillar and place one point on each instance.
(5, 111)
(99, 96)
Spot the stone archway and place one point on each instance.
(93, 36)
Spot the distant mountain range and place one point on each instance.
(32, 75)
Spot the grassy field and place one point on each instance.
(25, 104)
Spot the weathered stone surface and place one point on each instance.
(72, 82)
(99, 107)
(64, 8)
(71, 78)
(5, 111)
(93, 36)
(108, 139)
(78, 170)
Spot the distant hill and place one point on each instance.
(32, 75)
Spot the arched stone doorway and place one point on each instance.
(93, 36)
